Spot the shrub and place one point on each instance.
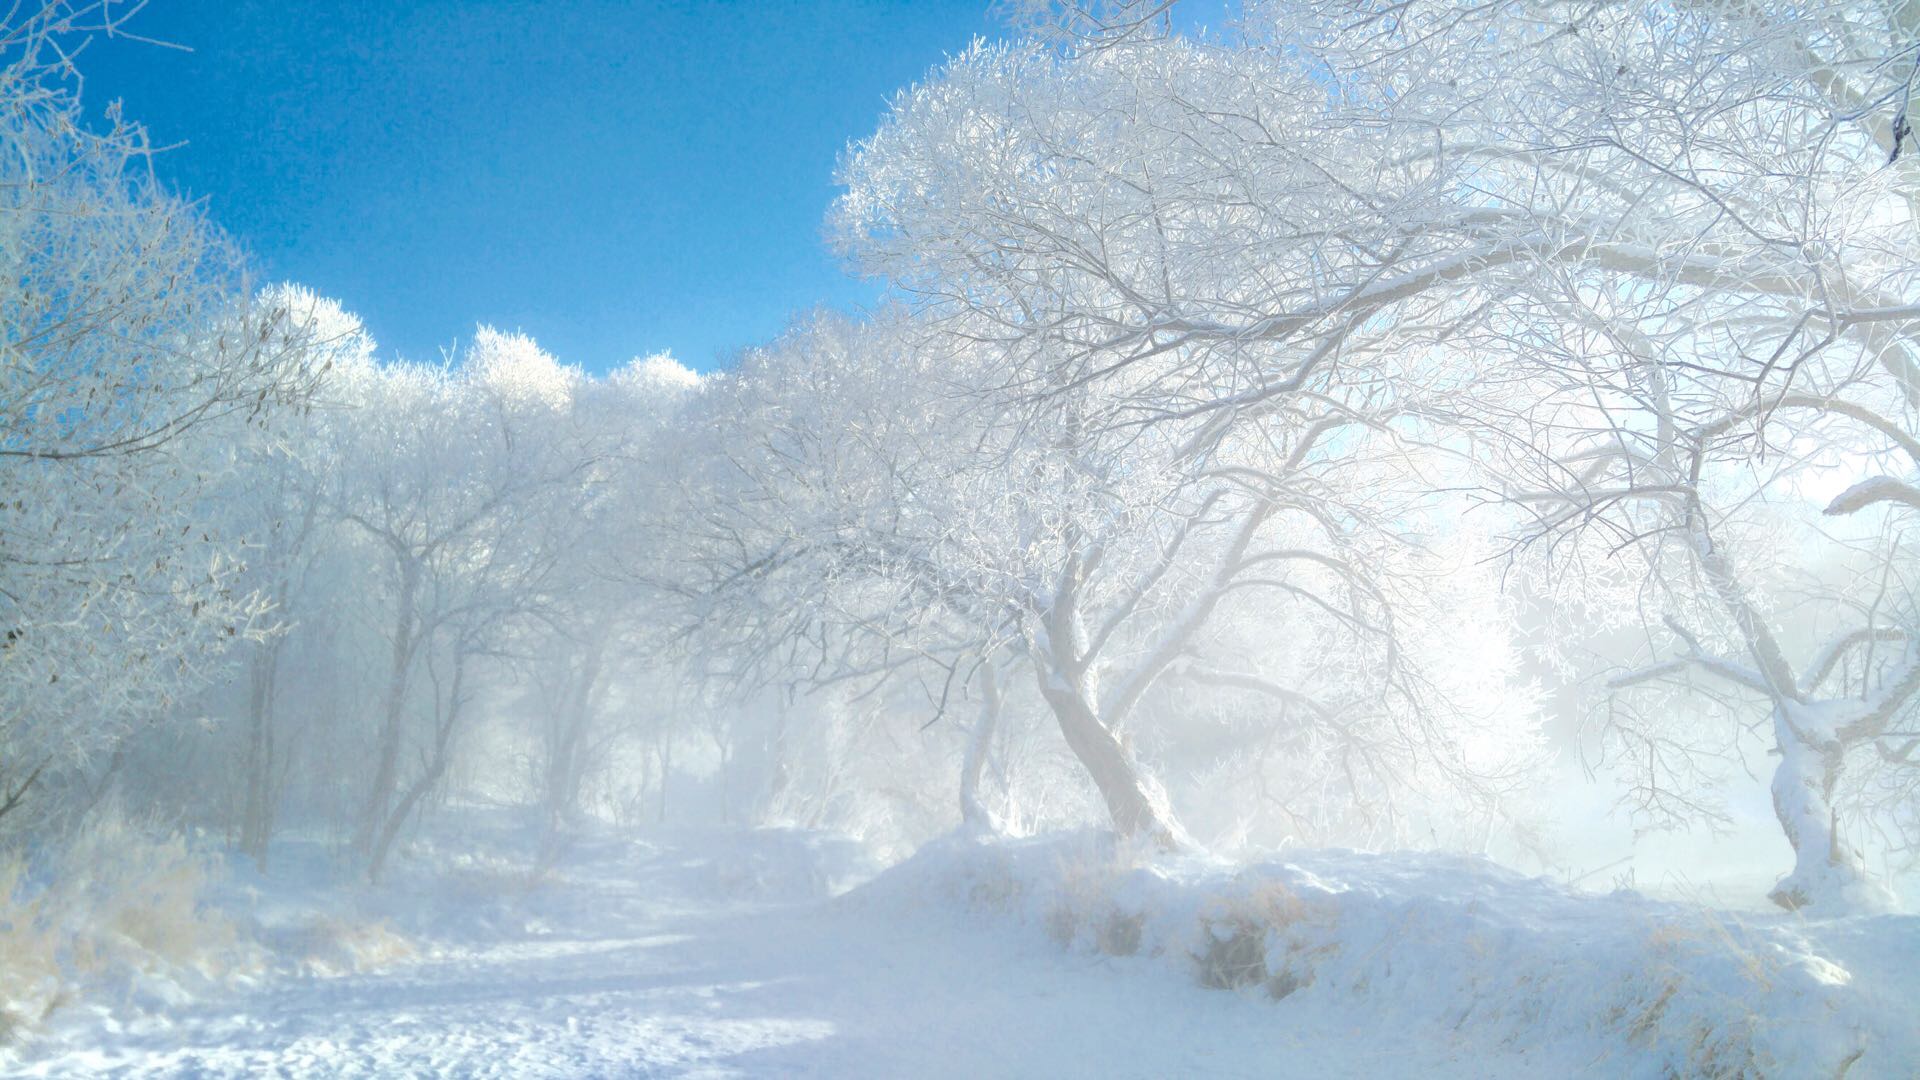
(112, 904)
(1239, 933)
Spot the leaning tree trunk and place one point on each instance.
(1068, 683)
(1827, 871)
(1135, 807)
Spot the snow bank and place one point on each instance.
(1635, 986)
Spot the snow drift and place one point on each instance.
(1630, 985)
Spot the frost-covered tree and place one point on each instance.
(803, 518)
(602, 628)
(1724, 333)
(1340, 206)
(1212, 294)
(1692, 500)
(463, 478)
(277, 497)
(900, 511)
(131, 362)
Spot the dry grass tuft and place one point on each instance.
(331, 946)
(1083, 902)
(1238, 933)
(116, 901)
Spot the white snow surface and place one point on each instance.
(758, 953)
(1462, 949)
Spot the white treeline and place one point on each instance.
(1267, 425)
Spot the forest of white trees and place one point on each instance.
(1313, 432)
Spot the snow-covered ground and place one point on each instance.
(1611, 985)
(740, 953)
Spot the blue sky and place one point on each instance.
(613, 178)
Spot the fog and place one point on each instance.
(1317, 492)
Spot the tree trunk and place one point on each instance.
(434, 768)
(1135, 808)
(1827, 871)
(666, 770)
(724, 746)
(387, 763)
(1068, 683)
(566, 746)
(390, 829)
(974, 815)
(257, 813)
(779, 775)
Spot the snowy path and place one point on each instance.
(626, 970)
